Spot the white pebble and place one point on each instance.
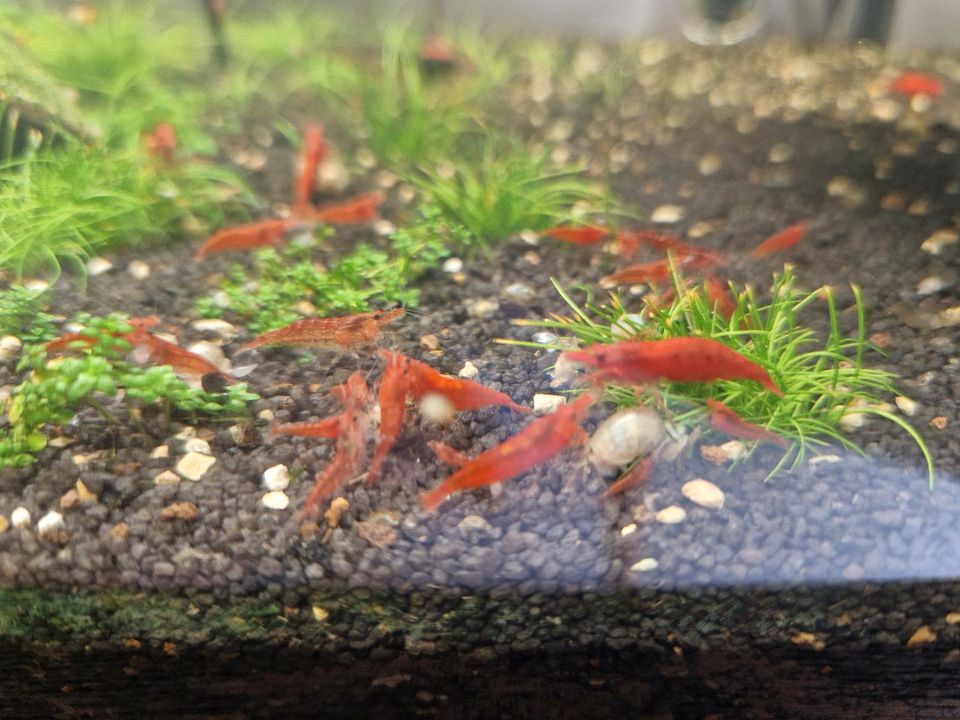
(544, 404)
(50, 523)
(710, 164)
(9, 347)
(665, 214)
(939, 240)
(530, 237)
(628, 529)
(139, 269)
(704, 493)
(211, 353)
(437, 409)
(197, 445)
(160, 452)
(483, 309)
(518, 293)
(452, 265)
(20, 517)
(625, 436)
(931, 284)
(907, 406)
(824, 459)
(543, 337)
(215, 326)
(469, 371)
(98, 266)
(626, 326)
(384, 228)
(276, 478)
(194, 465)
(671, 515)
(645, 565)
(275, 500)
(167, 477)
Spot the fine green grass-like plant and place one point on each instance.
(22, 314)
(54, 388)
(823, 380)
(505, 189)
(273, 294)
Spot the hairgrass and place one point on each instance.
(506, 189)
(822, 380)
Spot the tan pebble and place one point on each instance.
(61, 441)
(816, 460)
(319, 614)
(893, 201)
(430, 342)
(645, 565)
(98, 266)
(530, 237)
(953, 618)
(710, 164)
(780, 153)
(9, 347)
(69, 500)
(384, 228)
(939, 422)
(120, 531)
(700, 229)
(919, 208)
(160, 452)
(628, 529)
(266, 414)
(483, 309)
(907, 406)
(940, 239)
(923, 636)
(532, 258)
(194, 465)
(881, 340)
(139, 269)
(197, 445)
(187, 433)
(671, 515)
(437, 409)
(666, 214)
(704, 493)
(167, 477)
(808, 639)
(215, 326)
(180, 511)
(459, 278)
(452, 265)
(337, 507)
(4, 524)
(376, 533)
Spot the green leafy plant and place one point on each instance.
(823, 381)
(56, 387)
(273, 295)
(22, 314)
(504, 191)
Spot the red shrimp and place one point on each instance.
(262, 233)
(682, 359)
(584, 235)
(326, 428)
(911, 82)
(538, 442)
(360, 209)
(314, 153)
(727, 421)
(635, 476)
(392, 395)
(786, 238)
(335, 333)
(719, 297)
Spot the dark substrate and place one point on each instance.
(535, 573)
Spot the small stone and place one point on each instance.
(939, 422)
(923, 636)
(919, 208)
(276, 477)
(809, 640)
(98, 266)
(544, 404)
(194, 465)
(530, 237)
(215, 326)
(452, 265)
(671, 515)
(50, 524)
(69, 500)
(703, 493)
(120, 531)
(645, 565)
(893, 201)
(20, 517)
(437, 409)
(710, 164)
(483, 309)
(337, 507)
(816, 460)
(628, 529)
(460, 278)
(211, 353)
(9, 347)
(319, 614)
(780, 153)
(469, 371)
(167, 477)
(430, 342)
(160, 452)
(187, 433)
(665, 214)
(197, 445)
(625, 436)
(266, 415)
(544, 337)
(935, 244)
(518, 293)
(932, 284)
(720, 454)
(473, 525)
(139, 269)
(60, 441)
(384, 228)
(953, 618)
(275, 500)
(180, 511)
(531, 258)
(4, 524)
(907, 406)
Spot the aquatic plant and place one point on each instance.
(281, 281)
(22, 314)
(497, 189)
(56, 387)
(823, 380)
